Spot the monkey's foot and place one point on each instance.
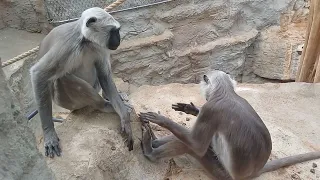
(146, 143)
(154, 117)
(186, 108)
(146, 125)
(51, 143)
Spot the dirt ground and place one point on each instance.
(93, 147)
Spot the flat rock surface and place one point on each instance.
(94, 149)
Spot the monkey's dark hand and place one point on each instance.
(155, 118)
(126, 127)
(51, 143)
(186, 108)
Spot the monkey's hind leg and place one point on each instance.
(170, 147)
(80, 94)
(213, 166)
(163, 140)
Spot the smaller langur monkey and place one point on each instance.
(229, 138)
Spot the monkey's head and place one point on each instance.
(214, 80)
(101, 28)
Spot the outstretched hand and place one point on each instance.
(154, 118)
(186, 108)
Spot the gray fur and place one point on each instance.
(73, 66)
(229, 138)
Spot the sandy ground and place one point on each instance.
(93, 147)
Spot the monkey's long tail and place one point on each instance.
(287, 161)
(35, 112)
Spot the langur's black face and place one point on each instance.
(101, 28)
(114, 39)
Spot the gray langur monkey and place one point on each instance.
(73, 66)
(229, 139)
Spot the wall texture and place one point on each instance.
(254, 40)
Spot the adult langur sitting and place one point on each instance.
(73, 66)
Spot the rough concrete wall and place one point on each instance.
(173, 40)
(202, 37)
(23, 14)
(19, 157)
(276, 53)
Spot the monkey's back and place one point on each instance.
(246, 137)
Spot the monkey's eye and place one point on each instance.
(90, 21)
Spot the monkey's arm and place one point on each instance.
(41, 73)
(198, 140)
(110, 90)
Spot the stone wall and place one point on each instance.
(23, 14)
(253, 40)
(188, 39)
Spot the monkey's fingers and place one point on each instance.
(150, 116)
(153, 136)
(143, 121)
(146, 142)
(46, 149)
(50, 151)
(130, 144)
(176, 107)
(148, 128)
(57, 150)
(179, 107)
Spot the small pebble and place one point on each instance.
(113, 148)
(184, 124)
(314, 165)
(312, 171)
(187, 119)
(295, 177)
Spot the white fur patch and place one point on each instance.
(234, 82)
(222, 149)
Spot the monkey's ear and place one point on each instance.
(206, 79)
(90, 21)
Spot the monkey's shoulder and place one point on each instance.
(234, 107)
